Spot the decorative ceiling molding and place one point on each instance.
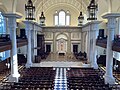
(51, 3)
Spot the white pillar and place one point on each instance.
(95, 31)
(28, 29)
(32, 44)
(88, 46)
(119, 25)
(82, 42)
(14, 63)
(94, 64)
(35, 39)
(54, 43)
(109, 58)
(35, 42)
(69, 43)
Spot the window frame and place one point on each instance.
(3, 20)
(67, 13)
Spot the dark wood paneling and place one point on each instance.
(4, 46)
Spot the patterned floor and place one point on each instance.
(57, 57)
(61, 79)
(60, 64)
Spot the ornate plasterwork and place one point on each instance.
(50, 3)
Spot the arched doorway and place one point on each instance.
(61, 42)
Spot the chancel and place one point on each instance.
(59, 45)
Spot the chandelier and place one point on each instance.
(42, 17)
(81, 17)
(30, 11)
(92, 10)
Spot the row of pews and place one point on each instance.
(34, 78)
(81, 56)
(4, 69)
(41, 57)
(86, 79)
(43, 78)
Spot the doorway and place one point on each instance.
(75, 48)
(48, 48)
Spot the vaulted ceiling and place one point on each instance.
(49, 6)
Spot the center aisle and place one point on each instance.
(60, 79)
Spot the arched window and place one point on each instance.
(67, 18)
(5, 54)
(2, 24)
(56, 18)
(62, 18)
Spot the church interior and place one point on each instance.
(59, 44)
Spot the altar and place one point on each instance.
(62, 47)
(61, 53)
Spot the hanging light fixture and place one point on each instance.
(92, 10)
(42, 17)
(30, 11)
(81, 17)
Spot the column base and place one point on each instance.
(109, 79)
(95, 66)
(14, 77)
(28, 65)
(88, 61)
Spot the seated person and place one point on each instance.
(85, 55)
(80, 53)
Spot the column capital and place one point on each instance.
(11, 19)
(111, 15)
(29, 25)
(37, 27)
(94, 25)
(12, 15)
(90, 25)
(111, 19)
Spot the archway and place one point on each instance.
(61, 44)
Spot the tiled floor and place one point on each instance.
(54, 60)
(57, 57)
(60, 79)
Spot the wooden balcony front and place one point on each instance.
(101, 43)
(7, 45)
(116, 46)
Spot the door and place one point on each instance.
(75, 48)
(48, 48)
(40, 44)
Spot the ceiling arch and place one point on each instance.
(48, 3)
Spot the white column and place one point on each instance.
(28, 29)
(88, 46)
(54, 43)
(91, 47)
(95, 31)
(82, 42)
(119, 25)
(109, 58)
(94, 64)
(35, 42)
(32, 44)
(69, 43)
(14, 63)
